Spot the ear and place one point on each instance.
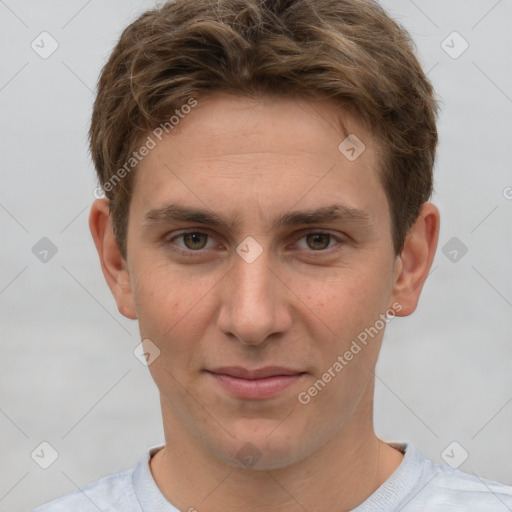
(413, 264)
(113, 265)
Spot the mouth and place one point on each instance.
(256, 384)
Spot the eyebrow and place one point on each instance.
(335, 212)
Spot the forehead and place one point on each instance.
(275, 124)
(269, 150)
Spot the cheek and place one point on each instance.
(171, 306)
(345, 302)
(342, 312)
(173, 312)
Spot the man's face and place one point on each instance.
(267, 286)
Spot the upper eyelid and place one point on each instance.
(186, 232)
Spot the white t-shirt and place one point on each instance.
(417, 485)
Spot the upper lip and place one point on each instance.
(258, 373)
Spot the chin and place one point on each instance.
(264, 448)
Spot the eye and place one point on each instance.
(193, 241)
(317, 241)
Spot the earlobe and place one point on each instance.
(413, 264)
(113, 264)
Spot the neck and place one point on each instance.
(338, 477)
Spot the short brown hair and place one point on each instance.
(347, 51)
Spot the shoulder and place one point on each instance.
(454, 484)
(451, 489)
(109, 494)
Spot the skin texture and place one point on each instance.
(299, 304)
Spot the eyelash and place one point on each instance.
(200, 252)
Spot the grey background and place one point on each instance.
(68, 375)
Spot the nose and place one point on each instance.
(254, 303)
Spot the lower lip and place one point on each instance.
(256, 388)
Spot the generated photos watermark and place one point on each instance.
(305, 397)
(150, 143)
